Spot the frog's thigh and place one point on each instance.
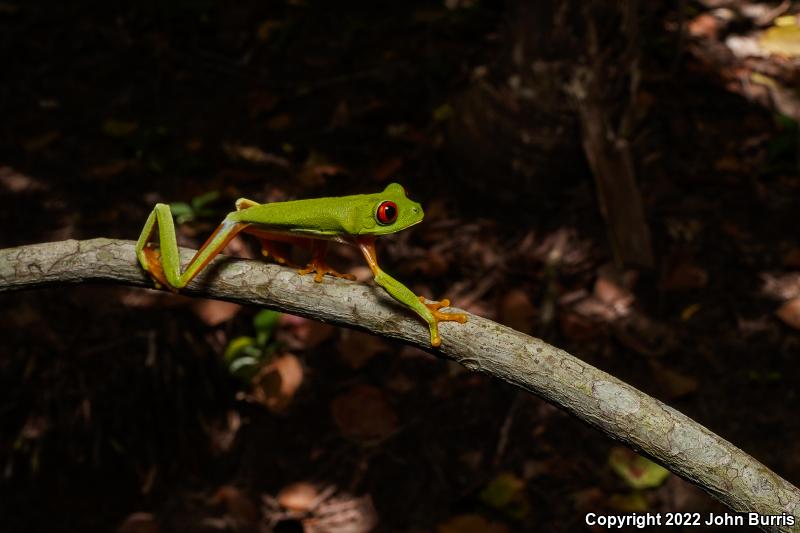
(271, 244)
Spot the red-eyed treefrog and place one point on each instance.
(355, 220)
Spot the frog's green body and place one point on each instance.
(355, 219)
(333, 218)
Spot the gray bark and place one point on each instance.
(616, 408)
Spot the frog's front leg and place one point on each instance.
(318, 264)
(429, 312)
(164, 266)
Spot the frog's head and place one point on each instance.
(392, 211)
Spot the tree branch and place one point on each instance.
(616, 408)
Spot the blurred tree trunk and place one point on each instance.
(562, 94)
(602, 101)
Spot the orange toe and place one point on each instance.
(440, 316)
(321, 268)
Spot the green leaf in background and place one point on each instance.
(198, 208)
(244, 356)
(635, 502)
(236, 348)
(506, 493)
(200, 203)
(244, 367)
(265, 323)
(637, 471)
(181, 211)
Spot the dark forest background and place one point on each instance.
(621, 179)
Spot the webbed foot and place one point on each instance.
(321, 268)
(318, 264)
(434, 307)
(438, 316)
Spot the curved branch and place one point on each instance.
(616, 408)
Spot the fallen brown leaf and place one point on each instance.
(255, 155)
(703, 25)
(673, 384)
(781, 286)
(578, 328)
(595, 309)
(215, 312)
(616, 297)
(139, 523)
(276, 384)
(682, 274)
(789, 312)
(300, 333)
(343, 513)
(40, 142)
(299, 497)
(363, 413)
(356, 348)
(644, 335)
(237, 505)
(15, 181)
(517, 311)
(222, 432)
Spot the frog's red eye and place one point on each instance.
(387, 212)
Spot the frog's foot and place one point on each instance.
(434, 307)
(318, 264)
(439, 316)
(321, 268)
(154, 268)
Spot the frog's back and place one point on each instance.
(321, 217)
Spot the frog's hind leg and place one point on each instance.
(278, 251)
(164, 266)
(273, 244)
